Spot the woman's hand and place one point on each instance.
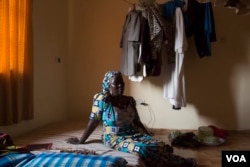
(73, 140)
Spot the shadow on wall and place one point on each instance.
(208, 79)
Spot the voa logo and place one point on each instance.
(236, 158)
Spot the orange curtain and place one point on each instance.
(16, 77)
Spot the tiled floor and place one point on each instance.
(210, 156)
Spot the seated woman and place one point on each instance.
(122, 128)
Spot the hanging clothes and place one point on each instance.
(156, 40)
(201, 17)
(168, 12)
(130, 43)
(142, 39)
(174, 85)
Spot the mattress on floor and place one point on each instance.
(57, 133)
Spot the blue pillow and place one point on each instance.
(73, 159)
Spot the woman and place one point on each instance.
(122, 128)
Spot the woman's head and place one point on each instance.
(113, 83)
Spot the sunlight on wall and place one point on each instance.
(240, 82)
(159, 112)
(240, 89)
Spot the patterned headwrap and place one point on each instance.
(106, 80)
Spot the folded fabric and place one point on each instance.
(187, 139)
(72, 159)
(5, 140)
(7, 145)
(12, 159)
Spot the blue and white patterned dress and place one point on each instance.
(120, 132)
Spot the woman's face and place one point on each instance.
(116, 85)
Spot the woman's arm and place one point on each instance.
(92, 124)
(90, 128)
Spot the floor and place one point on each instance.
(207, 156)
(210, 156)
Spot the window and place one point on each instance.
(16, 73)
